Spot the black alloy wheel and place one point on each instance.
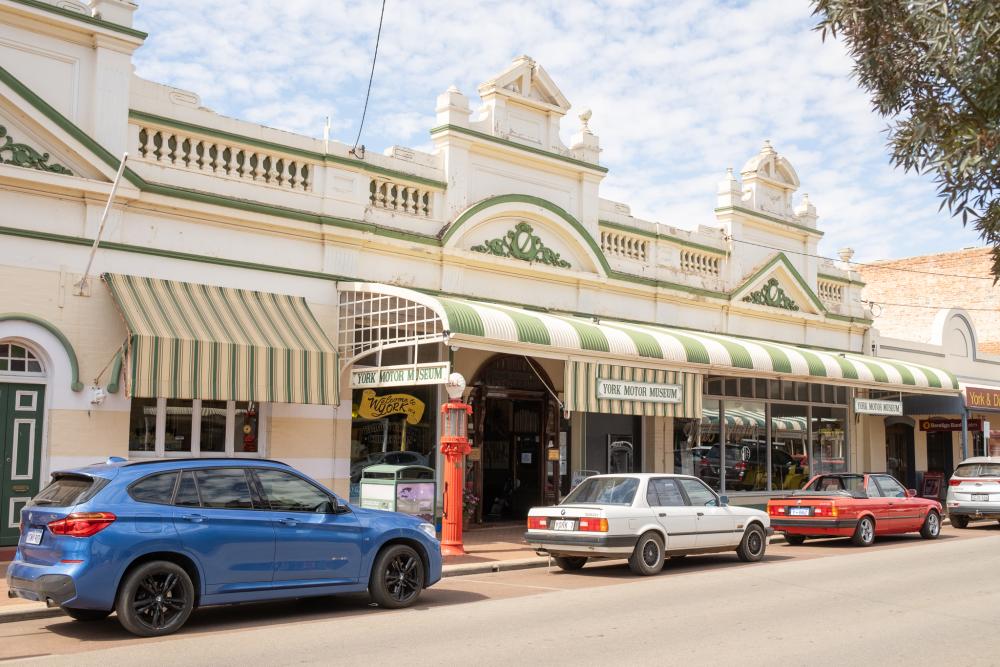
(397, 578)
(647, 558)
(155, 599)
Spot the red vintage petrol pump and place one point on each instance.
(454, 445)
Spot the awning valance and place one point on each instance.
(192, 341)
(369, 307)
(582, 390)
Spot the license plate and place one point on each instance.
(563, 524)
(980, 497)
(34, 536)
(799, 511)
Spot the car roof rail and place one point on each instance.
(188, 459)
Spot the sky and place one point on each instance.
(679, 90)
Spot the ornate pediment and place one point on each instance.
(771, 294)
(523, 244)
(23, 155)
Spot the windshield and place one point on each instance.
(604, 491)
(978, 470)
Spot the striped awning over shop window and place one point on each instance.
(581, 395)
(190, 341)
(737, 417)
(503, 327)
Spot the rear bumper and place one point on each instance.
(833, 527)
(991, 511)
(593, 545)
(60, 588)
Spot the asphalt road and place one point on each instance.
(904, 601)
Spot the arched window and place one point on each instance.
(17, 359)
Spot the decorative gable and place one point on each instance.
(777, 284)
(23, 155)
(526, 82)
(522, 243)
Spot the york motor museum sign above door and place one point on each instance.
(400, 376)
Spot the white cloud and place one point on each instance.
(679, 91)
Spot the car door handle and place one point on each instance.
(701, 514)
(663, 514)
(193, 518)
(289, 522)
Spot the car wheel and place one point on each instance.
(397, 577)
(570, 563)
(864, 534)
(87, 614)
(932, 526)
(959, 521)
(647, 558)
(753, 545)
(795, 540)
(155, 599)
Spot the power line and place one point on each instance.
(872, 265)
(916, 305)
(371, 77)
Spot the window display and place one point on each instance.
(393, 426)
(165, 427)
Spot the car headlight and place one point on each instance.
(428, 530)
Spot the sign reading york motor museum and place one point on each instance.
(400, 376)
(625, 390)
(871, 406)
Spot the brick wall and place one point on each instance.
(887, 286)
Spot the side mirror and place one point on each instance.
(723, 501)
(911, 493)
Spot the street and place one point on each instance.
(903, 601)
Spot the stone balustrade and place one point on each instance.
(186, 150)
(701, 263)
(625, 246)
(830, 292)
(399, 198)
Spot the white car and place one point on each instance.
(646, 518)
(974, 491)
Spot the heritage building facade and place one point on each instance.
(257, 293)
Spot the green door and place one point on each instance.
(22, 407)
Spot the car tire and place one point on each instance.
(864, 533)
(155, 599)
(959, 521)
(795, 540)
(753, 545)
(932, 526)
(397, 577)
(87, 614)
(647, 557)
(570, 563)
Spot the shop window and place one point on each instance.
(142, 425)
(746, 387)
(816, 393)
(392, 426)
(789, 446)
(829, 440)
(745, 453)
(713, 386)
(697, 450)
(760, 388)
(174, 427)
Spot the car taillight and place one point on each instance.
(538, 523)
(776, 509)
(825, 510)
(82, 524)
(593, 525)
(954, 482)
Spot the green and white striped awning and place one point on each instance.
(491, 325)
(190, 341)
(580, 390)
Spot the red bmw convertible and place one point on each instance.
(856, 506)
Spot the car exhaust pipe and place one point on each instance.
(541, 552)
(11, 594)
(50, 603)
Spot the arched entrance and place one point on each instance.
(516, 423)
(22, 407)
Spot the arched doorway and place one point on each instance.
(899, 452)
(516, 423)
(22, 407)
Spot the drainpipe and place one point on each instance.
(965, 434)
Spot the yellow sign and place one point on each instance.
(376, 407)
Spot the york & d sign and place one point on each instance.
(626, 390)
(871, 406)
(400, 376)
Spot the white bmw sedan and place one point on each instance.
(646, 518)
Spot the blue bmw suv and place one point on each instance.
(152, 540)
